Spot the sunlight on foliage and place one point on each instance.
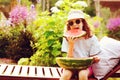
(45, 28)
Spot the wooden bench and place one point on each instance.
(114, 73)
(19, 72)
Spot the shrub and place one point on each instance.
(4, 42)
(23, 61)
(49, 38)
(19, 44)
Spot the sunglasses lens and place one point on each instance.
(77, 21)
(70, 23)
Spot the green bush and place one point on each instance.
(4, 42)
(49, 38)
(23, 61)
(19, 44)
(15, 43)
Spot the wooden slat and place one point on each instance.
(2, 69)
(118, 71)
(16, 71)
(40, 72)
(9, 70)
(24, 71)
(60, 71)
(47, 72)
(55, 72)
(32, 71)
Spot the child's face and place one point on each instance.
(75, 23)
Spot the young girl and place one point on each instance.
(86, 46)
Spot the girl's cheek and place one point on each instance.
(81, 26)
(71, 27)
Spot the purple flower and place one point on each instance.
(18, 14)
(96, 24)
(113, 24)
(31, 15)
(32, 7)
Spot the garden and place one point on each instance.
(31, 36)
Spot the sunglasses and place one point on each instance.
(77, 21)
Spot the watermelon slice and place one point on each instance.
(75, 33)
(74, 63)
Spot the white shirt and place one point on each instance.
(83, 47)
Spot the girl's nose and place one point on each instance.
(74, 24)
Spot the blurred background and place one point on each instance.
(31, 30)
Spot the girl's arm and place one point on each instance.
(70, 50)
(71, 46)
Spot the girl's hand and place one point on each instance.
(71, 40)
(96, 59)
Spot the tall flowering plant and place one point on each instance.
(21, 15)
(113, 27)
(18, 14)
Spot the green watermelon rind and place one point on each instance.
(73, 63)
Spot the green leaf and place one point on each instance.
(48, 33)
(55, 52)
(50, 42)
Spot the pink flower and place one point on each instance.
(113, 24)
(96, 24)
(31, 15)
(18, 14)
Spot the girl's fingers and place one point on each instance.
(96, 59)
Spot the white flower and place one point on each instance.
(81, 3)
(59, 3)
(5, 23)
(54, 9)
(38, 1)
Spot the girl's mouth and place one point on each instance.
(76, 28)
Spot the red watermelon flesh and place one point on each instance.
(75, 33)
